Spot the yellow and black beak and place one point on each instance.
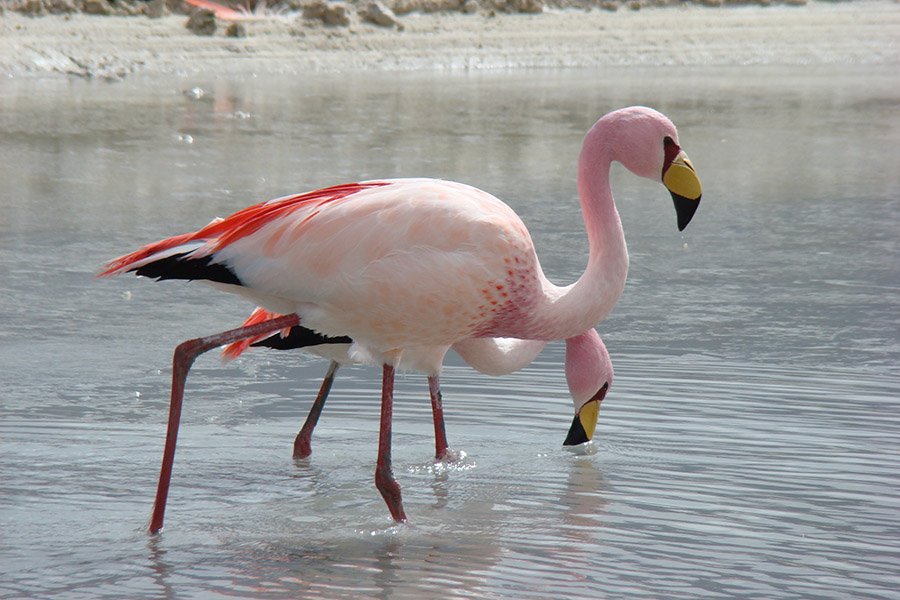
(681, 180)
(585, 422)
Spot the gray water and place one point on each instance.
(749, 448)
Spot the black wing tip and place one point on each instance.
(300, 337)
(181, 266)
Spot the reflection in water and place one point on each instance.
(585, 502)
(161, 569)
(742, 452)
(385, 575)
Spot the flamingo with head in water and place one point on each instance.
(589, 372)
(407, 268)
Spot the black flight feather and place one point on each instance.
(181, 266)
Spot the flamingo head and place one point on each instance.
(646, 142)
(589, 373)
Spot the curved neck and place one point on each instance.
(568, 311)
(601, 218)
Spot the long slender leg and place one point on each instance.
(384, 478)
(185, 354)
(302, 443)
(437, 411)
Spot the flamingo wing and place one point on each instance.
(195, 249)
(347, 257)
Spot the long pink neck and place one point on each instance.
(569, 311)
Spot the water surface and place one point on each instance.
(749, 445)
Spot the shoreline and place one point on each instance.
(112, 48)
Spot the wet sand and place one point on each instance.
(863, 32)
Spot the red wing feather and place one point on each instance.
(241, 224)
(235, 349)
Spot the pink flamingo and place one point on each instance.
(589, 372)
(223, 12)
(409, 267)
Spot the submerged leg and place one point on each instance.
(302, 443)
(384, 478)
(437, 411)
(185, 354)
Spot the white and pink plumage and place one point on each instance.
(407, 268)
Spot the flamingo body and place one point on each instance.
(345, 259)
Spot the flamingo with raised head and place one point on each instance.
(589, 372)
(413, 266)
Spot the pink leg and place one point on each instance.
(185, 354)
(384, 478)
(437, 411)
(302, 444)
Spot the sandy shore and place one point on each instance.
(861, 32)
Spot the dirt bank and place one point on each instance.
(863, 32)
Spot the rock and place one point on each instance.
(96, 7)
(236, 30)
(32, 8)
(470, 7)
(127, 9)
(339, 15)
(37, 8)
(795, 2)
(156, 9)
(635, 5)
(402, 7)
(376, 12)
(59, 7)
(330, 13)
(609, 5)
(527, 6)
(202, 22)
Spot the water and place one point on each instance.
(748, 447)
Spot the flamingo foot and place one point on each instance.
(302, 446)
(384, 478)
(390, 491)
(451, 456)
(303, 441)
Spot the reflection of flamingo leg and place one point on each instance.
(302, 443)
(185, 354)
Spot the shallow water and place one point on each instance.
(749, 445)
